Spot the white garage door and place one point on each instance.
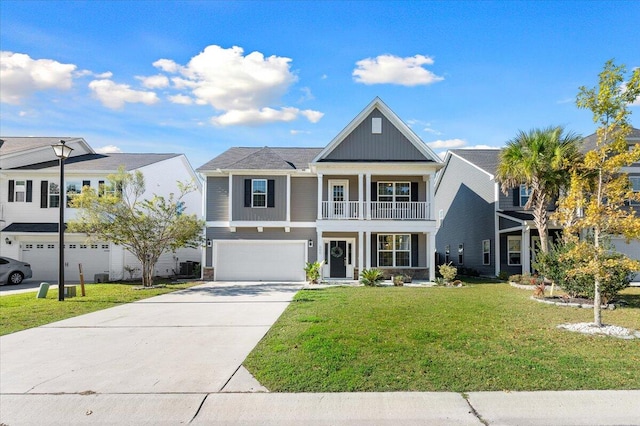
(632, 250)
(260, 260)
(43, 258)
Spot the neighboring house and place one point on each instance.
(30, 196)
(480, 228)
(365, 200)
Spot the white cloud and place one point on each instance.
(244, 89)
(108, 149)
(481, 147)
(390, 69)
(447, 144)
(181, 99)
(299, 132)
(114, 95)
(306, 95)
(21, 76)
(253, 117)
(154, 81)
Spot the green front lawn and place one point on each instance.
(22, 311)
(483, 337)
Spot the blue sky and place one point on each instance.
(198, 77)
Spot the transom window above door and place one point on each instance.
(394, 191)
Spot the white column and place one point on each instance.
(525, 249)
(367, 248)
(360, 197)
(319, 196)
(368, 203)
(431, 261)
(230, 197)
(288, 198)
(360, 251)
(429, 196)
(496, 227)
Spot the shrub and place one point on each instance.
(503, 276)
(398, 280)
(313, 271)
(516, 278)
(371, 277)
(448, 271)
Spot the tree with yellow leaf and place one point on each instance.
(596, 205)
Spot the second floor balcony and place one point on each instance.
(375, 210)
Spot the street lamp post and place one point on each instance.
(62, 151)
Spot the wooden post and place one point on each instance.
(81, 280)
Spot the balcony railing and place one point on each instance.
(379, 210)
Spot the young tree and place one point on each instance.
(145, 227)
(538, 159)
(600, 190)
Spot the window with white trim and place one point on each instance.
(258, 193)
(525, 194)
(19, 191)
(635, 184)
(514, 245)
(394, 250)
(54, 195)
(486, 252)
(73, 188)
(394, 191)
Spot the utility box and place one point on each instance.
(100, 278)
(42, 291)
(69, 291)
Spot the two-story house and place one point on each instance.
(481, 228)
(365, 200)
(30, 196)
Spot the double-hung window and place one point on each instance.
(73, 189)
(486, 252)
(525, 194)
(394, 191)
(258, 193)
(514, 244)
(635, 184)
(54, 195)
(394, 250)
(20, 189)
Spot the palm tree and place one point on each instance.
(541, 160)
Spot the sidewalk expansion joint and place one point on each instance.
(473, 410)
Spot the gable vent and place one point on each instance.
(376, 125)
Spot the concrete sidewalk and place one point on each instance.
(176, 359)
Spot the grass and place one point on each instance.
(23, 310)
(482, 337)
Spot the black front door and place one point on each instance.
(337, 256)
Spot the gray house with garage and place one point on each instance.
(364, 200)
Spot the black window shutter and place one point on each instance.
(44, 194)
(29, 191)
(11, 190)
(271, 193)
(414, 250)
(247, 192)
(374, 191)
(414, 191)
(516, 197)
(374, 250)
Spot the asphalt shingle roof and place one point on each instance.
(13, 144)
(107, 162)
(589, 143)
(486, 159)
(266, 158)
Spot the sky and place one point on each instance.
(198, 77)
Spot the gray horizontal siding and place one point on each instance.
(362, 145)
(277, 213)
(269, 234)
(304, 199)
(217, 198)
(466, 195)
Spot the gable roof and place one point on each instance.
(17, 144)
(102, 162)
(266, 158)
(589, 143)
(486, 160)
(402, 127)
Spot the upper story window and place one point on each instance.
(258, 193)
(54, 194)
(635, 184)
(74, 188)
(20, 191)
(394, 191)
(525, 193)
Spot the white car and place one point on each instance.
(13, 271)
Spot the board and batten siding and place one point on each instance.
(276, 213)
(362, 145)
(304, 199)
(466, 195)
(269, 234)
(217, 198)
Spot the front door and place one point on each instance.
(338, 259)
